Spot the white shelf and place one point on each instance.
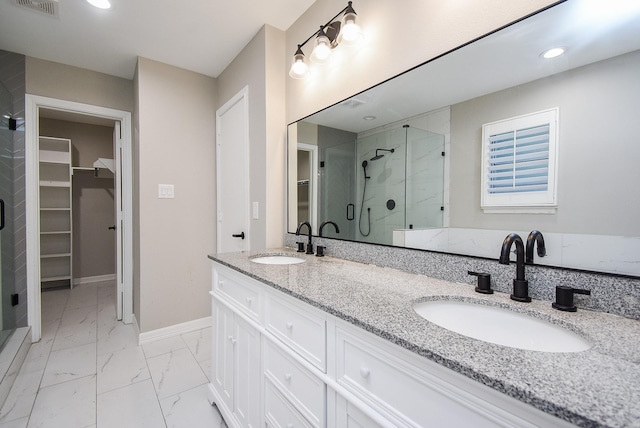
(55, 184)
(56, 239)
(55, 278)
(54, 256)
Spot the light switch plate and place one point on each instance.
(165, 191)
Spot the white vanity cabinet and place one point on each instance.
(280, 362)
(236, 367)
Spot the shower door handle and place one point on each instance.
(1, 214)
(351, 209)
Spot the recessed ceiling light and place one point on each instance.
(100, 4)
(552, 53)
(369, 117)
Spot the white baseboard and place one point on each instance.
(136, 327)
(92, 279)
(173, 330)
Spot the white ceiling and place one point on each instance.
(198, 35)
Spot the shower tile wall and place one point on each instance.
(12, 76)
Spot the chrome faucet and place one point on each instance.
(309, 244)
(535, 237)
(326, 223)
(520, 285)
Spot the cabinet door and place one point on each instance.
(349, 416)
(247, 373)
(222, 367)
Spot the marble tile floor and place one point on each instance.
(88, 371)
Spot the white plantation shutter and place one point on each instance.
(519, 161)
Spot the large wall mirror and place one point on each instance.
(401, 163)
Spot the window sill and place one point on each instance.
(520, 210)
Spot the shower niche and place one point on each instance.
(379, 182)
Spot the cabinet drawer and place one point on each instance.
(279, 412)
(300, 386)
(238, 291)
(410, 394)
(301, 329)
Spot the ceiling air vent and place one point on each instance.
(49, 7)
(352, 102)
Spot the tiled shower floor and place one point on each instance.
(88, 371)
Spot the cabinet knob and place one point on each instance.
(364, 372)
(232, 340)
(220, 283)
(289, 325)
(249, 300)
(287, 377)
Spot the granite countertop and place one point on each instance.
(597, 387)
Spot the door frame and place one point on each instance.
(313, 183)
(240, 97)
(32, 105)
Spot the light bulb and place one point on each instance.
(322, 51)
(350, 33)
(299, 68)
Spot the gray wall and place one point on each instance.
(93, 199)
(12, 75)
(598, 155)
(174, 144)
(65, 82)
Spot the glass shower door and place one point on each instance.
(336, 189)
(425, 179)
(7, 272)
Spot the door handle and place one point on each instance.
(112, 227)
(351, 209)
(1, 214)
(239, 235)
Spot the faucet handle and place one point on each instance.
(564, 298)
(484, 282)
(320, 251)
(300, 247)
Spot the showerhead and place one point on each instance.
(378, 156)
(364, 167)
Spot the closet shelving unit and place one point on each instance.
(56, 226)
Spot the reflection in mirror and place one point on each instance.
(415, 197)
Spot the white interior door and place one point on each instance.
(232, 174)
(117, 195)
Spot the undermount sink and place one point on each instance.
(501, 326)
(276, 259)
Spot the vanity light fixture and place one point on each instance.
(552, 53)
(331, 34)
(100, 4)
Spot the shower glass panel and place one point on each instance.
(425, 179)
(337, 184)
(381, 196)
(7, 273)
